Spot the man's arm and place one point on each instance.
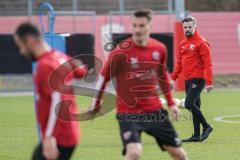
(207, 62)
(164, 80)
(178, 68)
(165, 86)
(102, 80)
(49, 141)
(99, 91)
(44, 72)
(110, 69)
(80, 68)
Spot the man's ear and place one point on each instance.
(195, 25)
(151, 24)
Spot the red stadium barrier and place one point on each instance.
(178, 37)
(219, 28)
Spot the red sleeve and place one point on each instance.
(102, 80)
(178, 68)
(43, 74)
(105, 71)
(110, 69)
(80, 72)
(78, 69)
(207, 61)
(164, 80)
(74, 69)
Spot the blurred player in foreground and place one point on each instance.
(140, 71)
(194, 60)
(58, 138)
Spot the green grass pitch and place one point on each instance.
(100, 138)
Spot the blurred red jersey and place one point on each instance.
(47, 99)
(138, 74)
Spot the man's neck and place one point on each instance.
(142, 44)
(42, 48)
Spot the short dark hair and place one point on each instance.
(189, 19)
(146, 13)
(27, 29)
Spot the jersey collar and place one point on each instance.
(45, 54)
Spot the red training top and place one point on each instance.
(138, 73)
(194, 59)
(47, 99)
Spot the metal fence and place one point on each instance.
(75, 10)
(72, 18)
(29, 7)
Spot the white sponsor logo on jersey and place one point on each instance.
(134, 62)
(192, 46)
(127, 135)
(156, 55)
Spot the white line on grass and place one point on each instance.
(221, 118)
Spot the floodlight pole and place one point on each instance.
(170, 6)
(74, 5)
(74, 8)
(121, 9)
(30, 9)
(180, 9)
(121, 6)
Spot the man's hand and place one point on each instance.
(93, 111)
(175, 112)
(209, 88)
(50, 150)
(172, 82)
(90, 76)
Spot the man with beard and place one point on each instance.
(58, 138)
(138, 72)
(194, 60)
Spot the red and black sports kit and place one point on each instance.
(138, 74)
(47, 99)
(194, 62)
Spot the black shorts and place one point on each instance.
(65, 153)
(156, 124)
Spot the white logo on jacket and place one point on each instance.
(191, 47)
(156, 55)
